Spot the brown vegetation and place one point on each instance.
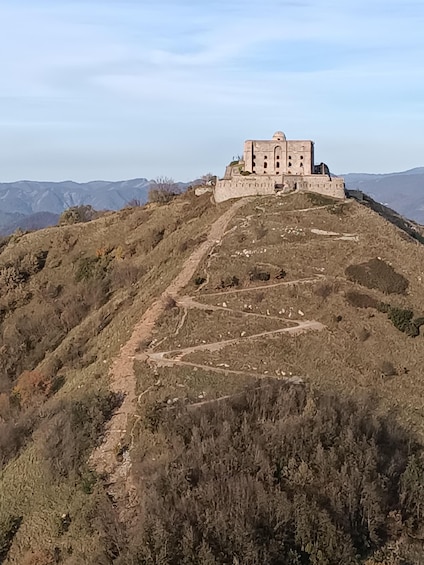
(378, 274)
(309, 478)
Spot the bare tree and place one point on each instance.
(209, 179)
(163, 190)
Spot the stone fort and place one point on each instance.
(277, 166)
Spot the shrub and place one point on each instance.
(13, 436)
(74, 428)
(125, 274)
(319, 199)
(257, 275)
(277, 475)
(92, 267)
(377, 274)
(77, 214)
(361, 300)
(387, 369)
(400, 318)
(8, 530)
(229, 282)
(30, 386)
(163, 190)
(324, 290)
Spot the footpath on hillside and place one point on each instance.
(104, 458)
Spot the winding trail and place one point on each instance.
(175, 357)
(104, 458)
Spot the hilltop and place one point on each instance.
(129, 341)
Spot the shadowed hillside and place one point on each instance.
(277, 405)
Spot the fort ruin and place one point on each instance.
(277, 166)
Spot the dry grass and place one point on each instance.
(137, 276)
(348, 356)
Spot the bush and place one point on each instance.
(163, 190)
(319, 199)
(229, 282)
(77, 214)
(8, 530)
(377, 274)
(74, 429)
(91, 268)
(31, 386)
(403, 321)
(387, 369)
(361, 300)
(277, 475)
(324, 290)
(257, 275)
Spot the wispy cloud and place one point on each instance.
(145, 77)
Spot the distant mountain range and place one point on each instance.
(403, 192)
(32, 205)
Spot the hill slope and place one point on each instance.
(300, 291)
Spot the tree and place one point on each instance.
(163, 190)
(209, 179)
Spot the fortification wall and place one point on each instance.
(243, 186)
(262, 185)
(323, 185)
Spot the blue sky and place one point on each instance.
(117, 89)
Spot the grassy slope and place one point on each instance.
(25, 486)
(269, 234)
(339, 356)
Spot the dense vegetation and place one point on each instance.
(278, 475)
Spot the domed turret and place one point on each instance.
(279, 136)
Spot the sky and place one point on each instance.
(119, 89)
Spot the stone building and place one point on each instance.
(277, 166)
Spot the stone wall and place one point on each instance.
(243, 186)
(256, 185)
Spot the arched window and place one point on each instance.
(265, 165)
(277, 164)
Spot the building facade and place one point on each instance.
(277, 166)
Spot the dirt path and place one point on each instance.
(122, 379)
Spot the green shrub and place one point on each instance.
(377, 274)
(400, 318)
(92, 267)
